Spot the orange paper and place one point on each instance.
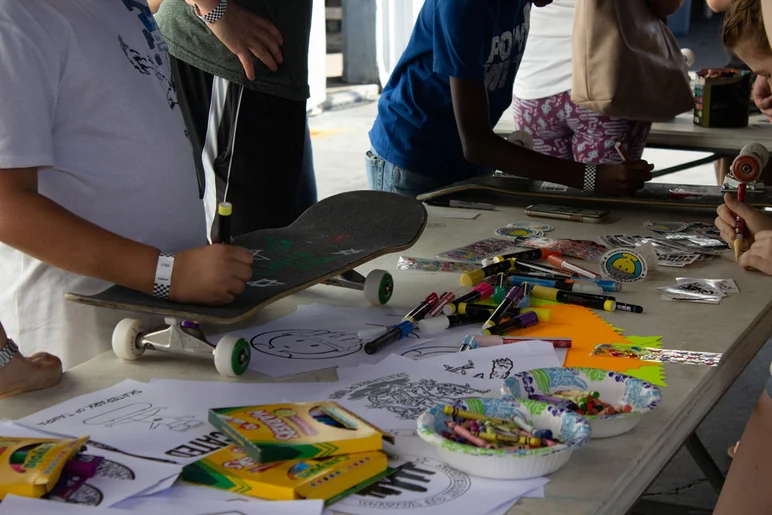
(586, 330)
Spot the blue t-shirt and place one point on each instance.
(467, 39)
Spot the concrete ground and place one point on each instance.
(340, 141)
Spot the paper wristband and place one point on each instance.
(163, 276)
(624, 266)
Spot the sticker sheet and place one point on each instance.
(536, 226)
(692, 291)
(518, 232)
(581, 249)
(725, 286)
(479, 250)
(433, 265)
(688, 357)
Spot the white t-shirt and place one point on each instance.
(546, 67)
(86, 96)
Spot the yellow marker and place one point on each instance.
(225, 210)
(477, 276)
(566, 297)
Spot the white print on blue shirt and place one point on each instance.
(154, 63)
(502, 46)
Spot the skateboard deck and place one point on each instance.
(673, 195)
(335, 235)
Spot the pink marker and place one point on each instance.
(621, 151)
(489, 341)
(559, 262)
(445, 298)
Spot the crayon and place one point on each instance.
(476, 276)
(511, 439)
(580, 393)
(452, 411)
(420, 311)
(468, 436)
(513, 324)
(562, 403)
(480, 292)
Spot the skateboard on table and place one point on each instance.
(657, 194)
(324, 245)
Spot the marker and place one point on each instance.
(528, 266)
(420, 311)
(560, 284)
(513, 297)
(438, 324)
(480, 292)
(739, 228)
(621, 151)
(468, 343)
(369, 334)
(631, 308)
(500, 291)
(559, 262)
(490, 341)
(593, 296)
(542, 292)
(513, 324)
(477, 276)
(225, 210)
(462, 204)
(527, 255)
(394, 334)
(607, 285)
(543, 314)
(444, 299)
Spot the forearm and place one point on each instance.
(492, 151)
(663, 8)
(745, 491)
(50, 233)
(154, 5)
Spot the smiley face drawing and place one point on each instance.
(623, 266)
(306, 344)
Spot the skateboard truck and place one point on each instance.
(231, 354)
(378, 286)
(730, 185)
(747, 168)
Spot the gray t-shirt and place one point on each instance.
(191, 41)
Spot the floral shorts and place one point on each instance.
(564, 130)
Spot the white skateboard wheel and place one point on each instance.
(125, 339)
(689, 57)
(379, 286)
(231, 356)
(758, 150)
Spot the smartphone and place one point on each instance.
(566, 213)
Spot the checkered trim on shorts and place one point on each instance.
(215, 14)
(590, 171)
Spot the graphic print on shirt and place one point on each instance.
(151, 63)
(498, 64)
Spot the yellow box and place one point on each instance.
(30, 467)
(284, 432)
(328, 479)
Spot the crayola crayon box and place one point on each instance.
(328, 479)
(282, 432)
(31, 467)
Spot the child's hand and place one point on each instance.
(622, 178)
(755, 220)
(759, 256)
(211, 275)
(762, 96)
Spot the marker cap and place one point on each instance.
(473, 277)
(225, 209)
(544, 315)
(587, 288)
(434, 325)
(499, 294)
(485, 289)
(530, 318)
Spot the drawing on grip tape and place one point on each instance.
(349, 252)
(306, 344)
(143, 413)
(257, 256)
(264, 283)
(404, 397)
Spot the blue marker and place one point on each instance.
(565, 285)
(606, 284)
(469, 343)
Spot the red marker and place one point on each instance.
(621, 151)
(739, 228)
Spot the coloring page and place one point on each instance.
(318, 336)
(392, 394)
(426, 486)
(183, 493)
(117, 478)
(166, 420)
(496, 362)
(13, 505)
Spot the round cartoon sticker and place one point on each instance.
(623, 265)
(536, 226)
(665, 227)
(519, 232)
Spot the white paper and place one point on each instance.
(184, 493)
(319, 336)
(392, 394)
(433, 488)
(118, 477)
(504, 508)
(163, 420)
(13, 505)
(498, 361)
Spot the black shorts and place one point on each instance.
(267, 149)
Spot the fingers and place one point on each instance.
(752, 259)
(246, 62)
(236, 286)
(270, 28)
(242, 272)
(240, 255)
(726, 216)
(739, 208)
(270, 43)
(259, 51)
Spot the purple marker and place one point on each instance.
(519, 322)
(512, 298)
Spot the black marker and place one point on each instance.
(632, 308)
(440, 323)
(225, 209)
(394, 334)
